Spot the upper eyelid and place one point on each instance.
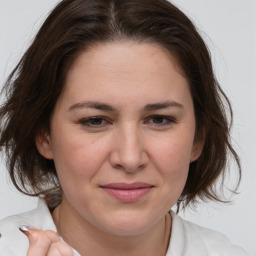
(167, 121)
(108, 119)
(88, 119)
(94, 117)
(163, 116)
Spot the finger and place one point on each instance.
(39, 241)
(60, 249)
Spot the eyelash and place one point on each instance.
(88, 122)
(168, 120)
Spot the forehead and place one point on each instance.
(125, 69)
(126, 56)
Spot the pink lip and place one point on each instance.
(127, 192)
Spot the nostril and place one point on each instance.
(118, 166)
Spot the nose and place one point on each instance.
(129, 153)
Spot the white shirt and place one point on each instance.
(187, 239)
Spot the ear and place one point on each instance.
(197, 149)
(43, 144)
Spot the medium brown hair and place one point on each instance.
(34, 86)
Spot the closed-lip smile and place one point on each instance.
(127, 192)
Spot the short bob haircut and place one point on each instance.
(73, 26)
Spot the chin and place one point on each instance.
(130, 224)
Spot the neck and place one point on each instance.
(91, 241)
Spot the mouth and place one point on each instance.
(127, 192)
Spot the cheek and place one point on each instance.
(172, 159)
(77, 164)
(174, 152)
(77, 157)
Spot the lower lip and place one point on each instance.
(128, 195)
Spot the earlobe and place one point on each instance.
(43, 145)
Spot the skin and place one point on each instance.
(46, 243)
(139, 126)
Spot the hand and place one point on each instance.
(45, 243)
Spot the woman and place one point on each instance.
(113, 116)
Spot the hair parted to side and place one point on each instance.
(34, 86)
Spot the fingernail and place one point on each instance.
(25, 229)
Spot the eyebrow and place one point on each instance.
(163, 105)
(92, 104)
(108, 108)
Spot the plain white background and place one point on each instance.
(229, 27)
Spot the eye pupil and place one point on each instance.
(158, 119)
(96, 121)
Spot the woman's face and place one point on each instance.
(122, 136)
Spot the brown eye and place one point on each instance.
(160, 120)
(94, 122)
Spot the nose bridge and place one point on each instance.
(130, 154)
(130, 140)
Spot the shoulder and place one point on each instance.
(12, 241)
(189, 239)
